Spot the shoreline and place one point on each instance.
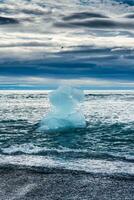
(22, 184)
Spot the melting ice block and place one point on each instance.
(65, 110)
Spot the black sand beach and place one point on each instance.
(31, 185)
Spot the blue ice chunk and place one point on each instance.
(65, 110)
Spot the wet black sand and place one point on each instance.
(32, 185)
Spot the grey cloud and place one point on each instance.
(131, 16)
(8, 20)
(83, 15)
(97, 24)
(26, 44)
(95, 55)
(35, 11)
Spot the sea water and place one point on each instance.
(105, 145)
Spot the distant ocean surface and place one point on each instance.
(106, 145)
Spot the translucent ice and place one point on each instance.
(65, 110)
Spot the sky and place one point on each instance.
(87, 43)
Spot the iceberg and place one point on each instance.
(65, 112)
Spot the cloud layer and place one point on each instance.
(56, 40)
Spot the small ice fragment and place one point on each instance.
(65, 112)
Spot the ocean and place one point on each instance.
(105, 146)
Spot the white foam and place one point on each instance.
(87, 165)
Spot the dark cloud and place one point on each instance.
(83, 15)
(8, 20)
(95, 21)
(33, 12)
(87, 50)
(130, 16)
(99, 56)
(97, 24)
(129, 2)
(64, 69)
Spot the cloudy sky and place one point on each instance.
(88, 43)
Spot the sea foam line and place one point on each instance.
(81, 165)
